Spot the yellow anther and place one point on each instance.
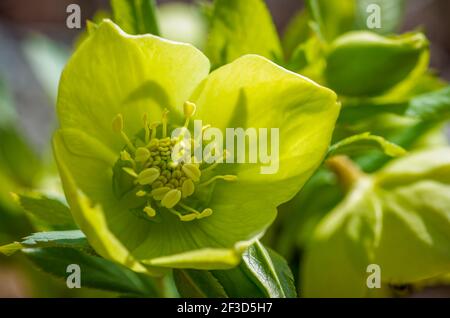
(142, 155)
(192, 171)
(150, 211)
(130, 171)
(141, 193)
(189, 109)
(205, 213)
(188, 188)
(153, 143)
(159, 193)
(125, 156)
(147, 176)
(171, 198)
(188, 217)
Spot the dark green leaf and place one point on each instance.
(73, 239)
(269, 271)
(198, 284)
(405, 138)
(96, 272)
(237, 284)
(263, 273)
(136, 16)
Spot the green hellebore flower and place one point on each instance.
(398, 219)
(133, 203)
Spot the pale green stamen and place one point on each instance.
(158, 178)
(229, 178)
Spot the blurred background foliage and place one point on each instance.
(34, 46)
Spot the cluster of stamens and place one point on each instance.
(157, 178)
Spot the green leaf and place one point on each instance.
(237, 283)
(96, 272)
(269, 271)
(262, 273)
(358, 62)
(50, 211)
(73, 239)
(198, 284)
(364, 142)
(431, 106)
(136, 16)
(234, 283)
(241, 27)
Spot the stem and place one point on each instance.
(345, 170)
(161, 286)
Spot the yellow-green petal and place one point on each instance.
(253, 92)
(112, 73)
(398, 219)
